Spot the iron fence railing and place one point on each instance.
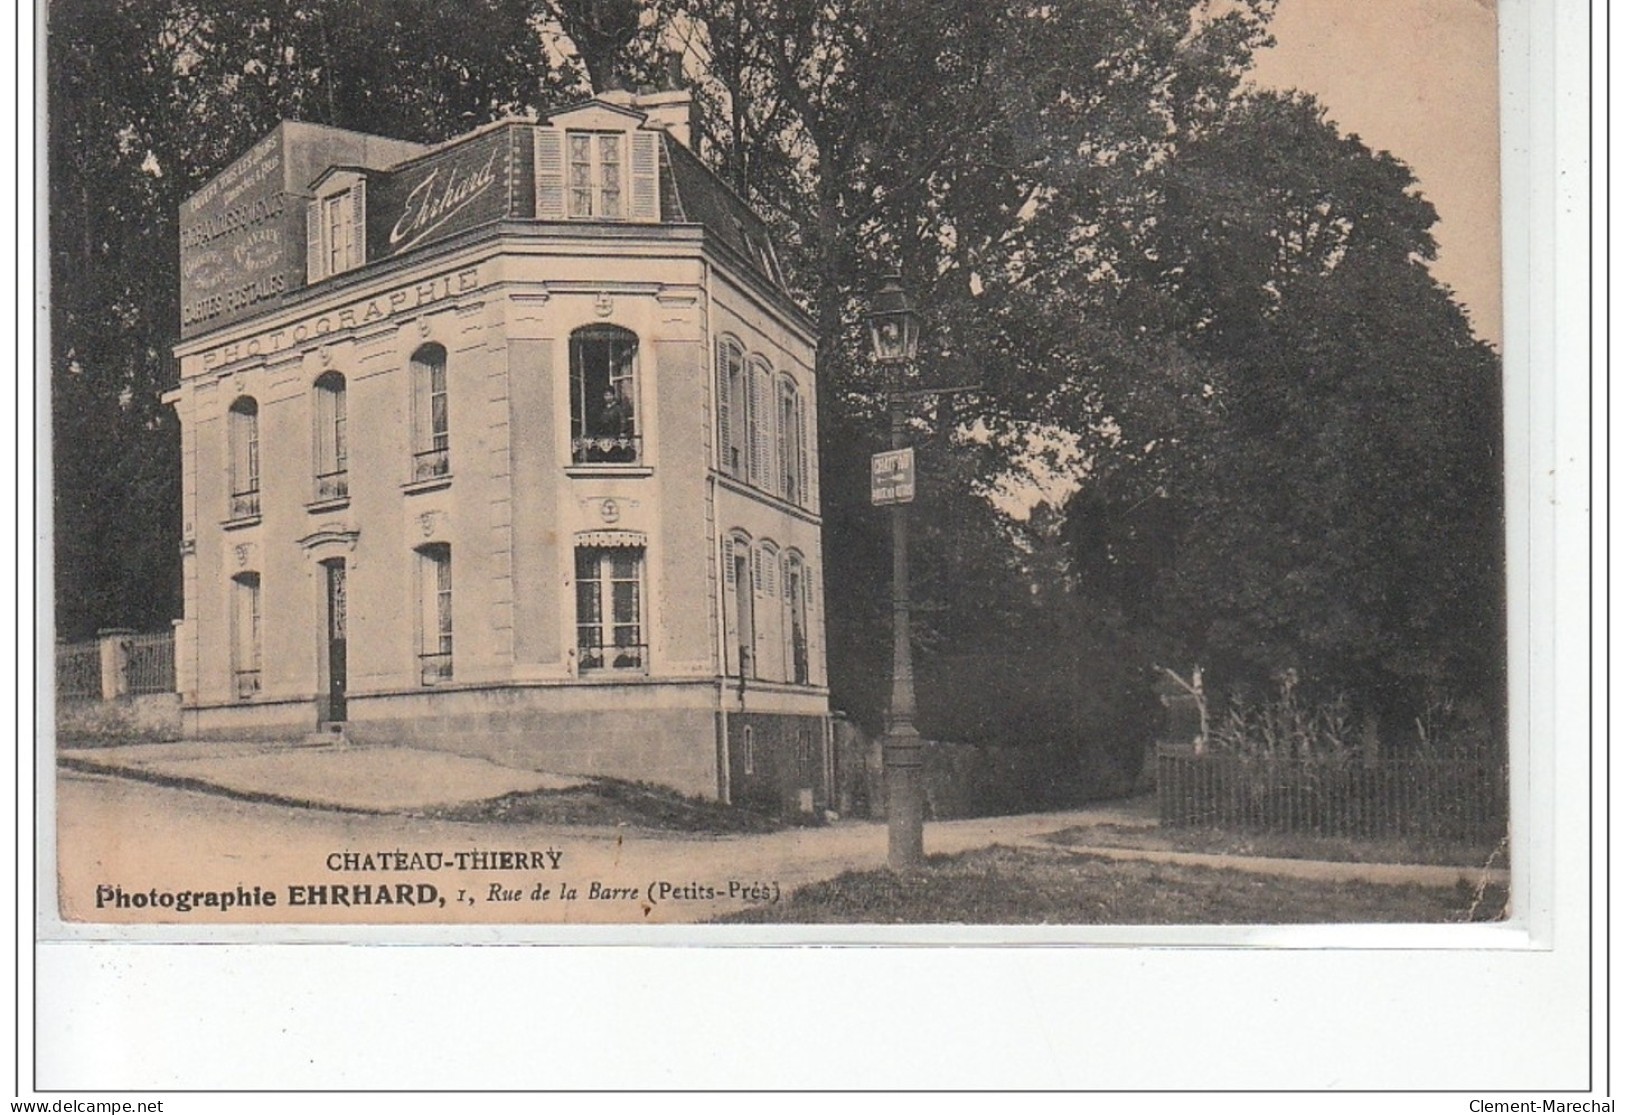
(627, 656)
(618, 450)
(1347, 797)
(150, 663)
(434, 668)
(332, 485)
(78, 672)
(431, 464)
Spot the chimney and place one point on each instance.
(672, 105)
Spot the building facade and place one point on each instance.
(504, 447)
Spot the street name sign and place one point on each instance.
(891, 477)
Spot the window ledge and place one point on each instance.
(590, 470)
(321, 505)
(239, 524)
(432, 484)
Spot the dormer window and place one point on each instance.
(336, 226)
(601, 173)
(595, 175)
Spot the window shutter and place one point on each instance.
(802, 452)
(549, 174)
(728, 560)
(645, 176)
(756, 568)
(315, 258)
(769, 574)
(358, 223)
(761, 416)
(723, 416)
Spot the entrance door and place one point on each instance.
(334, 658)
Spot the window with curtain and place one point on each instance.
(603, 396)
(431, 415)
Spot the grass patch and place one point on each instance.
(613, 802)
(1004, 886)
(1283, 845)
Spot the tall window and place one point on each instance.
(609, 608)
(434, 624)
(761, 425)
(431, 426)
(335, 230)
(245, 635)
(792, 442)
(332, 446)
(739, 605)
(733, 408)
(244, 435)
(795, 594)
(596, 176)
(603, 396)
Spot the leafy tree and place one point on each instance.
(1325, 493)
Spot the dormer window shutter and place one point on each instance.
(315, 258)
(645, 176)
(358, 223)
(549, 174)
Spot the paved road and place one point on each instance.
(141, 838)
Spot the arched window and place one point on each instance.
(332, 448)
(733, 408)
(603, 396)
(792, 442)
(434, 613)
(431, 416)
(244, 435)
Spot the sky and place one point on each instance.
(1416, 78)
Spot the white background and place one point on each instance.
(1527, 1019)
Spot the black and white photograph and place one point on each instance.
(889, 466)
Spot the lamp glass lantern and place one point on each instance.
(894, 324)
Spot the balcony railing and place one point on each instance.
(625, 450)
(629, 657)
(431, 464)
(248, 684)
(434, 669)
(332, 485)
(245, 505)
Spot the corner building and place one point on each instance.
(504, 447)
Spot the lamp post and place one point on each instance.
(894, 332)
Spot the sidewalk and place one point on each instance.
(359, 779)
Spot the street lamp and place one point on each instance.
(894, 332)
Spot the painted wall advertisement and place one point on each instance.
(238, 241)
(439, 196)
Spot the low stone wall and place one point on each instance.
(152, 718)
(961, 779)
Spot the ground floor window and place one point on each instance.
(246, 634)
(609, 609)
(434, 583)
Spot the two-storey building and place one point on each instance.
(504, 446)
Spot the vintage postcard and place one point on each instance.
(891, 464)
